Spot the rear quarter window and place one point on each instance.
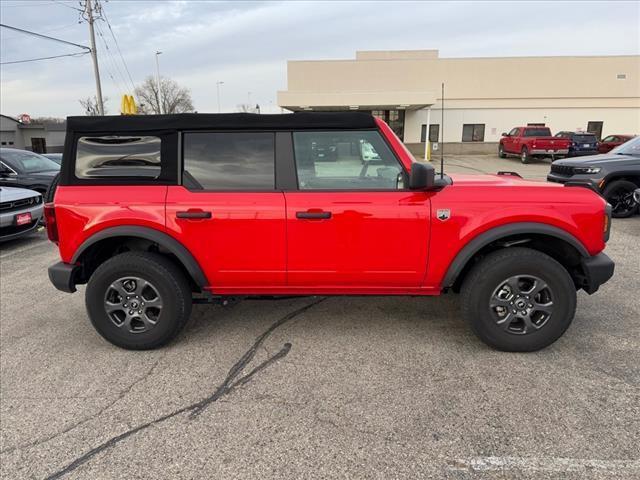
(118, 156)
(537, 132)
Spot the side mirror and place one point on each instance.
(422, 176)
(504, 134)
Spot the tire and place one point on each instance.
(524, 155)
(619, 194)
(483, 298)
(501, 153)
(51, 190)
(167, 296)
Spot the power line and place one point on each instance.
(45, 58)
(111, 63)
(57, 2)
(115, 40)
(46, 37)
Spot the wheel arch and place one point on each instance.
(103, 244)
(630, 176)
(555, 242)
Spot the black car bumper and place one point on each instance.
(582, 153)
(62, 275)
(596, 271)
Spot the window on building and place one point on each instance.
(354, 160)
(118, 156)
(473, 132)
(229, 161)
(595, 128)
(434, 133)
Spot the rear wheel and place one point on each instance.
(518, 300)
(619, 194)
(501, 153)
(524, 155)
(138, 300)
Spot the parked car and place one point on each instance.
(615, 175)
(612, 141)
(246, 208)
(56, 157)
(24, 169)
(581, 143)
(20, 212)
(532, 142)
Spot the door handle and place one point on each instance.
(313, 215)
(193, 214)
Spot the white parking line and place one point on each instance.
(545, 464)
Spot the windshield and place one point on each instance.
(28, 162)
(632, 147)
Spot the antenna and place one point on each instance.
(442, 136)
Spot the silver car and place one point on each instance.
(21, 212)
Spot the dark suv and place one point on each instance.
(615, 175)
(581, 143)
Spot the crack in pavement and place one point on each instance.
(198, 407)
(120, 396)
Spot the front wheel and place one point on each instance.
(518, 300)
(501, 153)
(619, 194)
(524, 155)
(138, 300)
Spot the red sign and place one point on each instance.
(23, 218)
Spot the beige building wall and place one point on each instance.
(564, 92)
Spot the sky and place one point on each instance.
(246, 45)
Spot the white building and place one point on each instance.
(483, 96)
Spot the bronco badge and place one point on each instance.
(443, 214)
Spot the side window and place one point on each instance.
(514, 132)
(347, 160)
(118, 156)
(229, 161)
(473, 132)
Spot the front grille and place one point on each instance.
(20, 204)
(562, 169)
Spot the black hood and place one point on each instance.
(606, 158)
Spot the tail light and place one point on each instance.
(52, 225)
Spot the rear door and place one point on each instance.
(227, 211)
(352, 225)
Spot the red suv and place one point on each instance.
(152, 212)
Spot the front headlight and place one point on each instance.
(586, 169)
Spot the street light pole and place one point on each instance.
(94, 57)
(158, 82)
(218, 83)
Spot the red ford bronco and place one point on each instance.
(156, 212)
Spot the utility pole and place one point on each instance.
(94, 55)
(158, 82)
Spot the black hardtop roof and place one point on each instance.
(221, 121)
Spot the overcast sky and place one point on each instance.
(247, 44)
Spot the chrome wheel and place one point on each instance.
(133, 304)
(522, 304)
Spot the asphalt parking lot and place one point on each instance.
(383, 387)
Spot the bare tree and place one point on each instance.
(90, 105)
(173, 98)
(246, 108)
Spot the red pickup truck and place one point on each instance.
(152, 212)
(530, 142)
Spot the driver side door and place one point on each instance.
(352, 225)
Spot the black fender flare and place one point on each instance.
(166, 241)
(485, 238)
